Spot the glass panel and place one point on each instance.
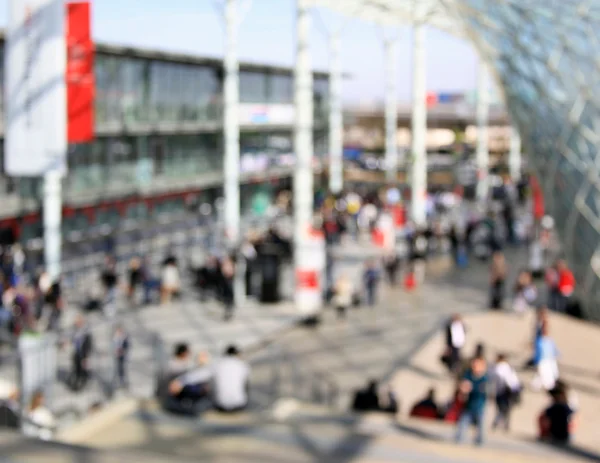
(281, 89)
(253, 87)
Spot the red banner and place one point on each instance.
(80, 73)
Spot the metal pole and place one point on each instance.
(514, 156)
(483, 108)
(231, 129)
(52, 207)
(391, 110)
(419, 129)
(336, 169)
(303, 133)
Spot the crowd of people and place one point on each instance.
(188, 386)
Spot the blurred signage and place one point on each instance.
(435, 98)
(431, 99)
(36, 95)
(251, 114)
(80, 73)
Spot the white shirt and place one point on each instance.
(505, 376)
(200, 375)
(230, 379)
(170, 277)
(457, 332)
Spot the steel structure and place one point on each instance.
(544, 54)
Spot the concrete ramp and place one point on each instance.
(303, 433)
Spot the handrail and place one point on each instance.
(305, 384)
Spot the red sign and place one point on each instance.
(432, 99)
(307, 279)
(80, 73)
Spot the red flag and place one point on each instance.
(80, 73)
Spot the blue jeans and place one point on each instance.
(467, 418)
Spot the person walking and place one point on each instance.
(342, 298)
(371, 279)
(546, 359)
(507, 387)
(121, 351)
(474, 385)
(228, 276)
(497, 279)
(456, 335)
(82, 349)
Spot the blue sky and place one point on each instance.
(267, 36)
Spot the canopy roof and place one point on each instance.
(438, 13)
(544, 54)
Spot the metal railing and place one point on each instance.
(289, 379)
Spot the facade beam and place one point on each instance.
(419, 129)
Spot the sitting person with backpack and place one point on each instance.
(557, 422)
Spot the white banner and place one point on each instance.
(35, 89)
(275, 114)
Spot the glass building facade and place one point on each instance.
(545, 54)
(158, 121)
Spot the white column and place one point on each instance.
(231, 129)
(303, 133)
(391, 109)
(514, 155)
(52, 209)
(483, 109)
(336, 124)
(419, 128)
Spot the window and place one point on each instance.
(281, 89)
(253, 87)
(133, 76)
(182, 92)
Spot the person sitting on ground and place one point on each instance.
(557, 422)
(367, 399)
(427, 407)
(181, 361)
(231, 382)
(40, 421)
(194, 384)
(455, 406)
(9, 411)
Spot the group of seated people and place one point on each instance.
(556, 423)
(189, 388)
